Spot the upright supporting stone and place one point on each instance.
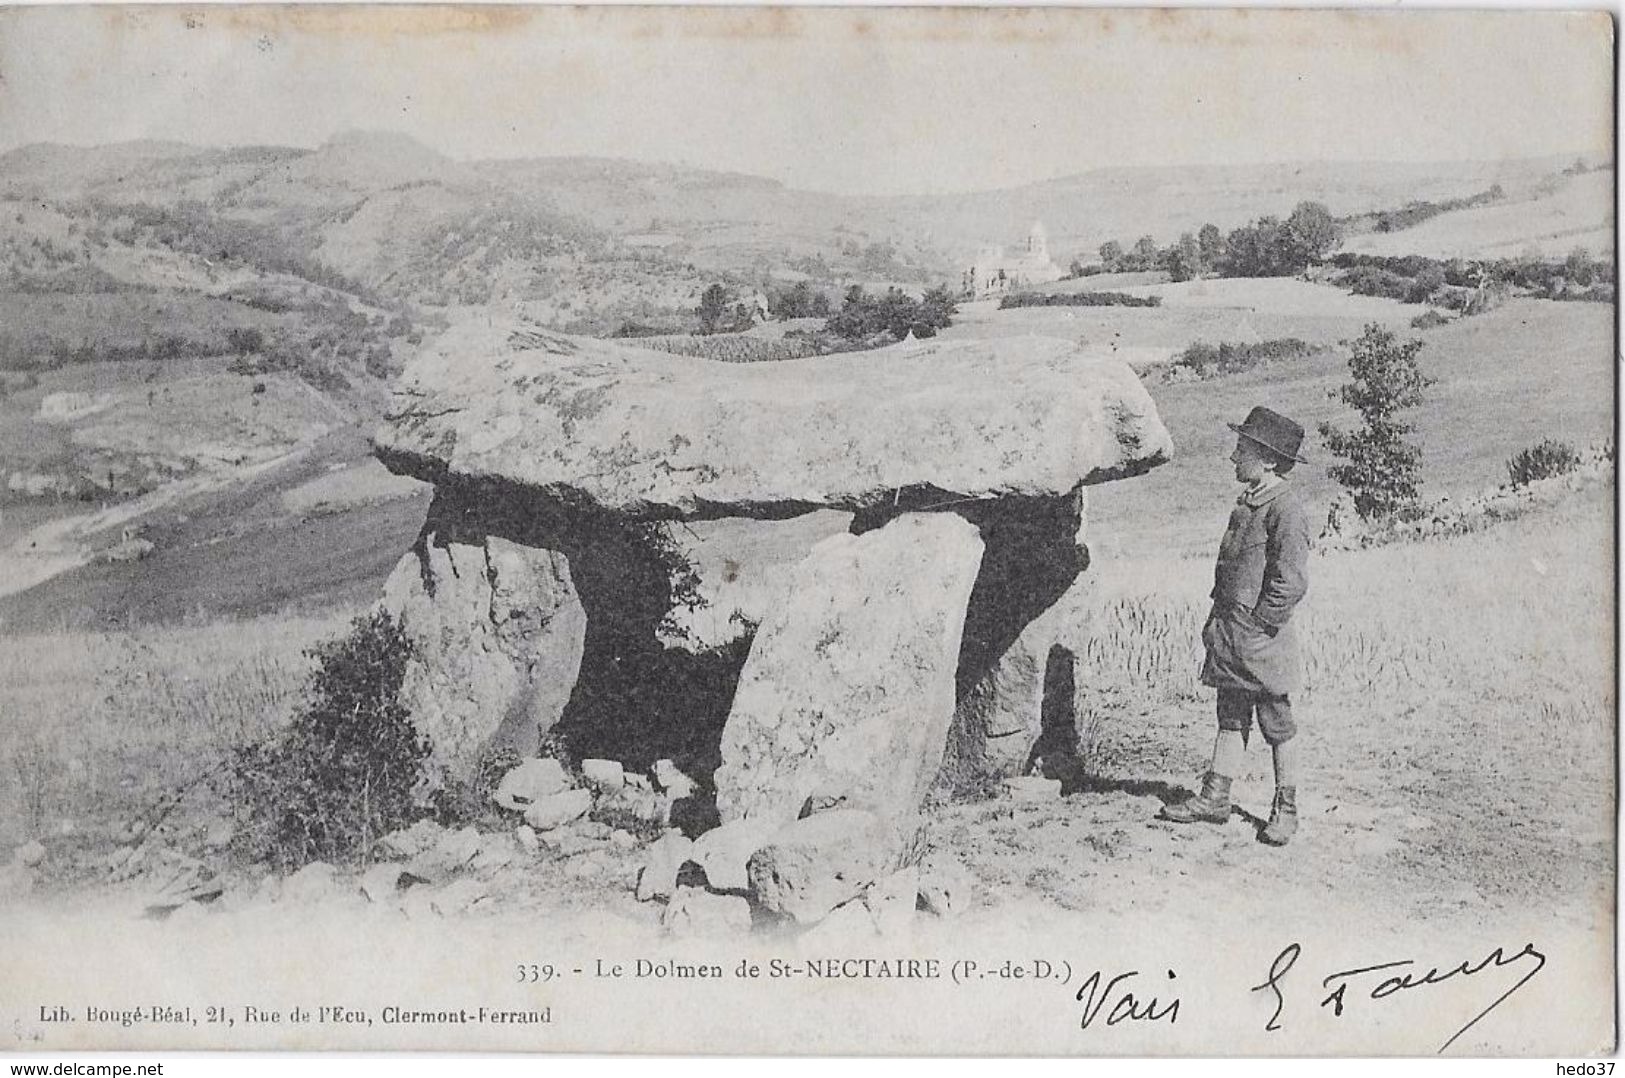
(849, 688)
(1017, 651)
(497, 631)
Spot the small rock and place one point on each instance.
(451, 854)
(587, 865)
(724, 851)
(639, 782)
(891, 902)
(555, 810)
(672, 782)
(848, 923)
(659, 876)
(459, 897)
(945, 885)
(418, 839)
(381, 882)
(530, 782)
(525, 835)
(694, 911)
(496, 851)
(569, 842)
(309, 884)
(637, 803)
(594, 829)
(31, 853)
(606, 773)
(624, 840)
(458, 847)
(814, 864)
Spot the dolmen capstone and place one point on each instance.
(827, 587)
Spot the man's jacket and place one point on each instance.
(1262, 573)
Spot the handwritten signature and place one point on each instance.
(1396, 982)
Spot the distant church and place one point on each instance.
(995, 273)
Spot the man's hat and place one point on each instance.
(1273, 431)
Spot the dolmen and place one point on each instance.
(829, 588)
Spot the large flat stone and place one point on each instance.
(848, 691)
(590, 424)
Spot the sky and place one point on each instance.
(847, 100)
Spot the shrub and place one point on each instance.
(342, 774)
(1543, 461)
(1077, 299)
(1232, 357)
(1428, 320)
(1381, 468)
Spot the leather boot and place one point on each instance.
(1283, 818)
(1212, 805)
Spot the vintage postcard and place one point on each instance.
(807, 530)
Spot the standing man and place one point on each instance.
(1252, 649)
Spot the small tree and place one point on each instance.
(1111, 255)
(1185, 259)
(1381, 468)
(715, 302)
(1211, 244)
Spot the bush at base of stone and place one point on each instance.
(342, 774)
(1542, 461)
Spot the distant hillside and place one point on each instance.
(1556, 216)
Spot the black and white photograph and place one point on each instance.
(807, 531)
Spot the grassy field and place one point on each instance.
(99, 724)
(1579, 212)
(1527, 371)
(1210, 310)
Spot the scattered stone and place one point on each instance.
(525, 835)
(558, 809)
(587, 865)
(496, 851)
(849, 923)
(639, 782)
(459, 896)
(310, 884)
(605, 773)
(945, 885)
(659, 876)
(380, 883)
(420, 838)
(569, 842)
(636, 803)
(594, 829)
(694, 911)
(31, 853)
(724, 852)
(813, 865)
(891, 902)
(623, 840)
(671, 781)
(1030, 788)
(530, 782)
(454, 851)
